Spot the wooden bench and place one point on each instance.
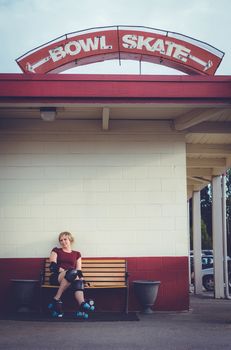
(98, 273)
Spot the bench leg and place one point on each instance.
(40, 300)
(126, 300)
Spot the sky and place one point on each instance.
(26, 24)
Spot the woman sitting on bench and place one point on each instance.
(65, 267)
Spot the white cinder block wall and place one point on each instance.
(121, 192)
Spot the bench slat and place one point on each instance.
(102, 261)
(105, 274)
(97, 261)
(92, 286)
(88, 274)
(96, 269)
(99, 279)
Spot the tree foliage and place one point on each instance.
(228, 210)
(206, 215)
(206, 219)
(206, 240)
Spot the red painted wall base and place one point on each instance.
(171, 271)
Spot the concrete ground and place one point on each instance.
(206, 326)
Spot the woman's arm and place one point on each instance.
(79, 264)
(79, 267)
(53, 257)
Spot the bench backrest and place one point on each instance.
(98, 273)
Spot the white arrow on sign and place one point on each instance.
(32, 67)
(206, 65)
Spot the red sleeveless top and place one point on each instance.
(66, 260)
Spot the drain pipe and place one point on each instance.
(224, 232)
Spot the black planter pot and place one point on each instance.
(146, 293)
(23, 294)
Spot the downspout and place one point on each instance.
(224, 232)
(189, 256)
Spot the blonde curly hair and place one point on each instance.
(68, 234)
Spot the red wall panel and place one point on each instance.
(171, 271)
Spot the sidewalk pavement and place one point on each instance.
(206, 326)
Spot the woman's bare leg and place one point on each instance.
(79, 297)
(64, 284)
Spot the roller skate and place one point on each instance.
(88, 305)
(55, 308)
(85, 307)
(82, 314)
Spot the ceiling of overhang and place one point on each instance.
(207, 129)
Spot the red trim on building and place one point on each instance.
(19, 88)
(171, 271)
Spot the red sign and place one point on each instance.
(170, 49)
